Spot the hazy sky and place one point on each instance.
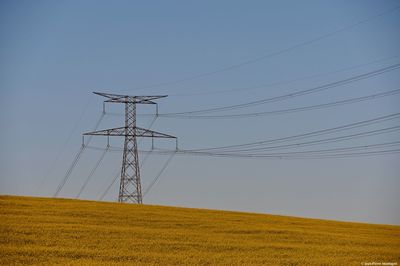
(53, 54)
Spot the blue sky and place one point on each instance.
(53, 54)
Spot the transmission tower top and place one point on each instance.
(117, 98)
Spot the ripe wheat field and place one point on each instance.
(73, 232)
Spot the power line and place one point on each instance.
(75, 161)
(109, 186)
(140, 141)
(313, 154)
(236, 152)
(290, 110)
(303, 144)
(300, 154)
(288, 156)
(197, 114)
(159, 174)
(92, 171)
(57, 157)
(69, 171)
(293, 94)
(270, 55)
(319, 151)
(248, 88)
(322, 141)
(310, 134)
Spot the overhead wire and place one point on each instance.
(313, 154)
(76, 159)
(296, 156)
(284, 82)
(270, 55)
(110, 185)
(148, 154)
(239, 153)
(293, 94)
(280, 147)
(92, 171)
(336, 129)
(347, 155)
(69, 171)
(159, 174)
(324, 151)
(319, 151)
(289, 110)
(322, 141)
(299, 154)
(68, 139)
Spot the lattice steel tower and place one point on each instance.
(130, 189)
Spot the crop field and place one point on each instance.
(73, 232)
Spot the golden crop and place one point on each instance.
(72, 232)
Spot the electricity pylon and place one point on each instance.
(130, 189)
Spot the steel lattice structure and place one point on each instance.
(130, 189)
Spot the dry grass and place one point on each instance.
(69, 232)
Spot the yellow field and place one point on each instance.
(68, 232)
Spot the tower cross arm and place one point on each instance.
(118, 98)
(122, 131)
(142, 132)
(118, 131)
